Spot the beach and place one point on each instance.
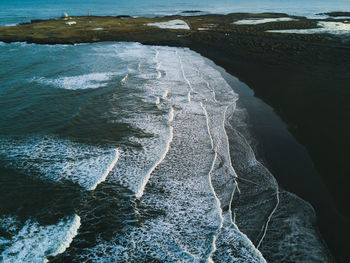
(302, 77)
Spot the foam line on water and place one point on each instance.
(157, 101)
(157, 54)
(268, 220)
(136, 165)
(71, 233)
(123, 81)
(293, 231)
(259, 182)
(159, 64)
(218, 206)
(223, 169)
(148, 175)
(185, 78)
(84, 81)
(233, 105)
(165, 94)
(34, 242)
(228, 220)
(10, 25)
(209, 133)
(59, 159)
(231, 214)
(265, 227)
(206, 82)
(212, 251)
(159, 73)
(108, 170)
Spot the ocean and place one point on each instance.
(121, 152)
(13, 12)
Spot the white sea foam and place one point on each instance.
(185, 232)
(182, 174)
(34, 242)
(124, 79)
(185, 78)
(136, 165)
(86, 81)
(218, 102)
(324, 27)
(10, 24)
(58, 159)
(256, 21)
(145, 179)
(192, 183)
(172, 24)
(107, 170)
(131, 52)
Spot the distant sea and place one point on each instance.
(12, 12)
(119, 152)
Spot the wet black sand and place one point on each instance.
(292, 166)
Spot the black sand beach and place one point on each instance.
(304, 78)
(291, 164)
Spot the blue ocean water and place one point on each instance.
(12, 12)
(119, 152)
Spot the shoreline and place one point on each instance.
(289, 162)
(303, 77)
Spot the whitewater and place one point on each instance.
(137, 153)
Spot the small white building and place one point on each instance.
(70, 23)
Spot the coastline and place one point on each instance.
(302, 77)
(290, 163)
